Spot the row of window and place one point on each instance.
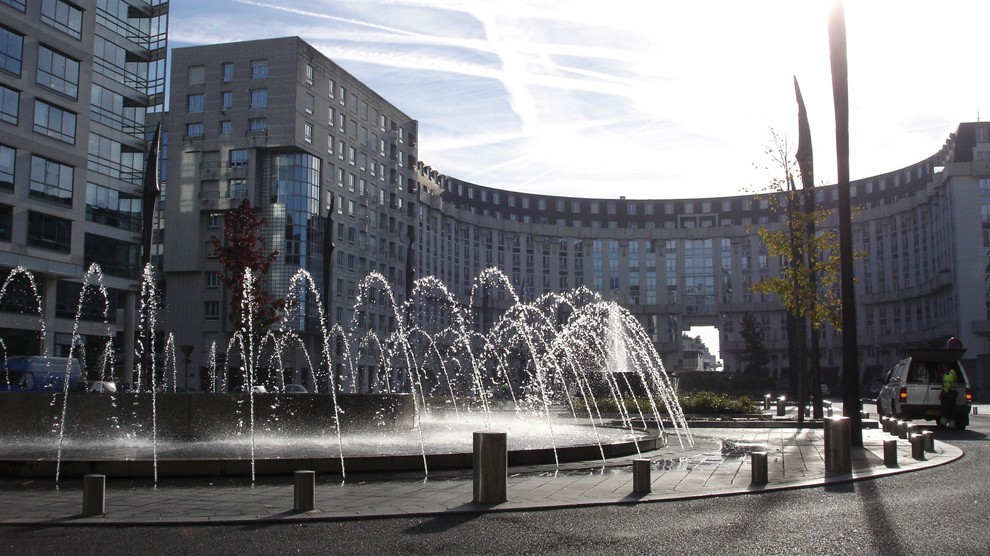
(50, 120)
(55, 71)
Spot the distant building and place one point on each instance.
(76, 82)
(279, 124)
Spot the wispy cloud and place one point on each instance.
(581, 97)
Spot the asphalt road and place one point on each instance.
(936, 511)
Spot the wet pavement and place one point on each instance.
(718, 465)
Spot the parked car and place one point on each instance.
(295, 389)
(40, 374)
(911, 390)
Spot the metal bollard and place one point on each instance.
(758, 462)
(807, 411)
(929, 440)
(917, 446)
(890, 452)
(838, 446)
(641, 476)
(94, 495)
(766, 402)
(490, 463)
(976, 410)
(304, 494)
(781, 406)
(829, 412)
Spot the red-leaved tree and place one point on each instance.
(241, 249)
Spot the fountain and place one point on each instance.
(538, 372)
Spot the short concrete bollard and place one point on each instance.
(758, 462)
(304, 494)
(766, 402)
(902, 430)
(976, 410)
(890, 452)
(490, 463)
(929, 440)
(807, 411)
(781, 406)
(828, 412)
(94, 495)
(885, 424)
(917, 446)
(838, 445)
(642, 483)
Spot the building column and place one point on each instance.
(49, 285)
(130, 321)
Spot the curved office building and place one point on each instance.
(921, 231)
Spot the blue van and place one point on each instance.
(40, 374)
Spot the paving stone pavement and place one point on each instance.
(719, 464)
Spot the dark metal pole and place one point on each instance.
(152, 190)
(840, 94)
(806, 163)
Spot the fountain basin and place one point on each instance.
(439, 442)
(200, 416)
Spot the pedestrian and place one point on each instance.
(947, 413)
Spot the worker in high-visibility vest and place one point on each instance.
(947, 414)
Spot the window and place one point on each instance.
(57, 72)
(51, 181)
(11, 51)
(257, 125)
(8, 158)
(211, 280)
(226, 128)
(310, 103)
(308, 133)
(237, 188)
(54, 122)
(115, 257)
(227, 71)
(16, 4)
(237, 157)
(310, 74)
(332, 91)
(49, 232)
(214, 221)
(9, 101)
(195, 103)
(259, 98)
(6, 221)
(211, 310)
(194, 129)
(63, 16)
(259, 69)
(113, 208)
(197, 75)
(226, 100)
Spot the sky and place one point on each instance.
(639, 99)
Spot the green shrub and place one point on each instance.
(704, 403)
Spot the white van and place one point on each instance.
(40, 374)
(911, 389)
